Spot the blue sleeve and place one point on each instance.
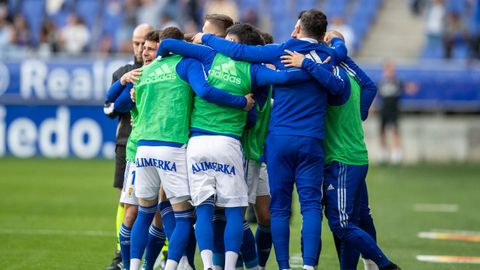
(343, 97)
(192, 71)
(124, 103)
(340, 51)
(251, 118)
(202, 53)
(368, 87)
(263, 76)
(260, 95)
(114, 91)
(332, 82)
(253, 54)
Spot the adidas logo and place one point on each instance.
(161, 73)
(330, 187)
(226, 71)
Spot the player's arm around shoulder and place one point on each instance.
(322, 72)
(250, 53)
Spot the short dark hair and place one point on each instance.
(172, 32)
(314, 23)
(189, 37)
(246, 33)
(221, 21)
(153, 36)
(267, 37)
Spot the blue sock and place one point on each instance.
(140, 231)
(248, 249)
(191, 248)
(280, 227)
(204, 227)
(218, 232)
(155, 242)
(263, 237)
(239, 261)
(125, 233)
(181, 234)
(168, 218)
(311, 231)
(234, 229)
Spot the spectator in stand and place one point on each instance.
(124, 33)
(167, 20)
(150, 10)
(48, 39)
(188, 16)
(227, 7)
(250, 17)
(417, 6)
(475, 45)
(74, 37)
(7, 33)
(338, 24)
(456, 32)
(435, 23)
(22, 37)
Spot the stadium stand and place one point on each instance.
(101, 20)
(448, 85)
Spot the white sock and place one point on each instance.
(308, 267)
(135, 264)
(217, 267)
(397, 156)
(207, 258)
(171, 265)
(231, 260)
(369, 265)
(261, 268)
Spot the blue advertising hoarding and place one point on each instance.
(54, 108)
(56, 131)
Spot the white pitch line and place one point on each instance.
(296, 261)
(448, 259)
(456, 231)
(430, 207)
(56, 232)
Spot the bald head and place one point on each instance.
(138, 38)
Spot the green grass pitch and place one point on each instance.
(59, 214)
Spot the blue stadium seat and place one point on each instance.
(432, 50)
(34, 11)
(336, 8)
(88, 10)
(111, 23)
(459, 6)
(461, 51)
(306, 4)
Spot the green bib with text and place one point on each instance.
(234, 78)
(164, 102)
